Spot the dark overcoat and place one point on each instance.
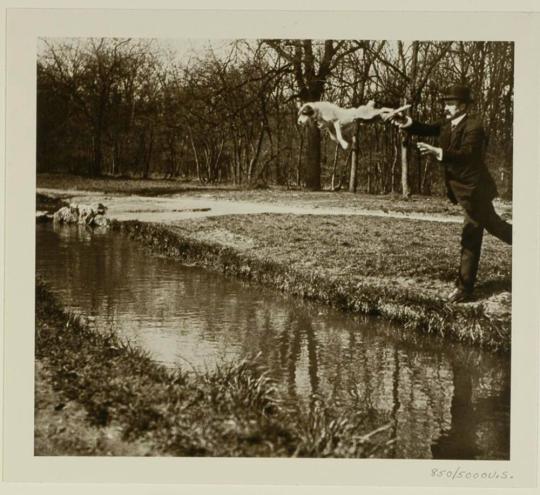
(465, 173)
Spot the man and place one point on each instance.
(461, 149)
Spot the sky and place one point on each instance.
(181, 48)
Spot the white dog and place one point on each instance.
(83, 214)
(88, 213)
(339, 121)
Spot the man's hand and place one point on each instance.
(428, 150)
(399, 120)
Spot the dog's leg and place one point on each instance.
(339, 136)
(330, 129)
(332, 136)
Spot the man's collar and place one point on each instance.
(457, 120)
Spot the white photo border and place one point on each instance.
(25, 26)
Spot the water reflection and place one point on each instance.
(442, 400)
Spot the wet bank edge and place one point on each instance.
(411, 309)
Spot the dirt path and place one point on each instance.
(172, 208)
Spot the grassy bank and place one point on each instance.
(399, 269)
(95, 395)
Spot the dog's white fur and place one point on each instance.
(339, 121)
(83, 214)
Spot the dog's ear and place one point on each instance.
(307, 109)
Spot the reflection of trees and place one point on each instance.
(459, 441)
(396, 404)
(367, 379)
(290, 341)
(293, 355)
(313, 367)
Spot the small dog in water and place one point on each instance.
(339, 121)
(83, 214)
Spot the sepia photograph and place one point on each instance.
(270, 250)
(273, 248)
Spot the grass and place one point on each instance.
(96, 395)
(354, 247)
(122, 185)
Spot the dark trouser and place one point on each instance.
(477, 218)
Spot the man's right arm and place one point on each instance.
(405, 123)
(412, 127)
(420, 129)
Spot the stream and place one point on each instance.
(444, 400)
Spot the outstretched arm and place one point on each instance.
(420, 129)
(413, 127)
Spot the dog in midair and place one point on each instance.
(339, 121)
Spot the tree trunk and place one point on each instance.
(353, 180)
(281, 174)
(424, 186)
(234, 161)
(148, 155)
(97, 164)
(313, 158)
(370, 165)
(405, 191)
(257, 153)
(196, 156)
(395, 148)
(216, 169)
(299, 161)
(114, 154)
(334, 166)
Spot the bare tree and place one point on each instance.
(120, 106)
(312, 64)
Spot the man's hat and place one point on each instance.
(458, 92)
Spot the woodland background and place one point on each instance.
(227, 113)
